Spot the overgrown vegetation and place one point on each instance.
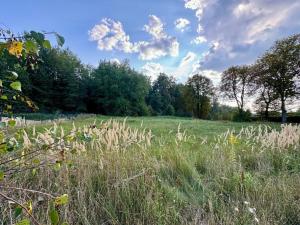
(160, 171)
(83, 170)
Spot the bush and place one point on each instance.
(242, 116)
(170, 111)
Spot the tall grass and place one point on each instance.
(115, 174)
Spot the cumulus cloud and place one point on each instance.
(197, 5)
(181, 24)
(155, 27)
(160, 45)
(243, 29)
(110, 35)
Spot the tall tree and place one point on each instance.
(280, 70)
(266, 97)
(57, 84)
(161, 96)
(237, 84)
(199, 90)
(116, 89)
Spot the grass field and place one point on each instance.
(182, 172)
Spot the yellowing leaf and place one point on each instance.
(15, 48)
(62, 200)
(29, 207)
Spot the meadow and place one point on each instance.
(155, 170)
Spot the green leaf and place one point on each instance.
(3, 97)
(3, 46)
(2, 124)
(30, 46)
(60, 39)
(54, 217)
(23, 222)
(1, 175)
(62, 200)
(12, 123)
(38, 37)
(18, 211)
(46, 44)
(1, 84)
(16, 85)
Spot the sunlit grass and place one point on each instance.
(184, 172)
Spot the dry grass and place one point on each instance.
(116, 174)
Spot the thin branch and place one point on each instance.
(22, 206)
(28, 190)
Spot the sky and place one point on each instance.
(178, 37)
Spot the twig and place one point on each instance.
(22, 206)
(28, 190)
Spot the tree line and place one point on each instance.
(60, 82)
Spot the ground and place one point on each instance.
(184, 171)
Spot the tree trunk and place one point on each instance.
(267, 112)
(283, 112)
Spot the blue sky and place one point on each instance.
(179, 37)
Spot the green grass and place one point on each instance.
(200, 180)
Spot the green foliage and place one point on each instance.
(279, 70)
(16, 85)
(116, 89)
(19, 55)
(23, 222)
(61, 200)
(197, 94)
(54, 217)
(242, 116)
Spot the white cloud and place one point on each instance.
(155, 27)
(152, 70)
(199, 29)
(198, 6)
(181, 24)
(183, 70)
(161, 43)
(115, 60)
(243, 29)
(246, 9)
(110, 35)
(199, 40)
(215, 76)
(158, 48)
(190, 57)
